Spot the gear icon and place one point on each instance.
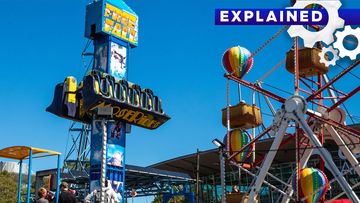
(334, 52)
(326, 34)
(340, 36)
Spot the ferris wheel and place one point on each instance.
(313, 113)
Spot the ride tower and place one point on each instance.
(106, 100)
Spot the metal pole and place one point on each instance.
(103, 162)
(29, 177)
(330, 91)
(19, 183)
(296, 66)
(251, 142)
(344, 149)
(222, 175)
(207, 192)
(321, 130)
(339, 195)
(259, 179)
(253, 130)
(58, 176)
(256, 88)
(197, 175)
(334, 79)
(268, 102)
(352, 93)
(239, 176)
(265, 182)
(215, 189)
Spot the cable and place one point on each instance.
(349, 72)
(346, 109)
(272, 70)
(268, 42)
(284, 91)
(83, 54)
(355, 117)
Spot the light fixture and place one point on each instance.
(218, 143)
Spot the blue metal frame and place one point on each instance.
(19, 182)
(124, 168)
(108, 41)
(58, 179)
(29, 177)
(127, 60)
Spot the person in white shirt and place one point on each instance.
(110, 195)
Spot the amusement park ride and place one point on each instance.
(106, 104)
(310, 117)
(105, 100)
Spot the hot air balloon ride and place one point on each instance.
(237, 61)
(313, 185)
(237, 140)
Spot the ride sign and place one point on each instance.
(113, 18)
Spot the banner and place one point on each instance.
(117, 66)
(115, 160)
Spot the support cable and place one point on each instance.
(349, 71)
(268, 41)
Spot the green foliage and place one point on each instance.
(176, 199)
(8, 187)
(157, 199)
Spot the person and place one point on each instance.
(235, 189)
(42, 194)
(72, 191)
(110, 195)
(65, 196)
(49, 196)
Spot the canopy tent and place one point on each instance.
(24, 152)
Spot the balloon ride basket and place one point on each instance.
(238, 197)
(243, 116)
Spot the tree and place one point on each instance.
(8, 187)
(175, 199)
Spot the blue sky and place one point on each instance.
(179, 57)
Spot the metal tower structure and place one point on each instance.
(77, 156)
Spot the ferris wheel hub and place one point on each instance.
(294, 104)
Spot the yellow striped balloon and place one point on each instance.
(310, 182)
(238, 139)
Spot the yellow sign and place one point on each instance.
(120, 23)
(132, 116)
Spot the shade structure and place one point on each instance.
(23, 152)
